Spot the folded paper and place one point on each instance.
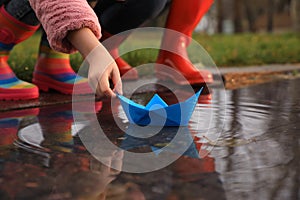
(159, 113)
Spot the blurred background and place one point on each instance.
(233, 32)
(237, 16)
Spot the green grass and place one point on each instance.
(252, 49)
(225, 50)
(23, 56)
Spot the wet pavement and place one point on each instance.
(244, 144)
(233, 78)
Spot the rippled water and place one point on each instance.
(245, 146)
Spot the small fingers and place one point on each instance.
(116, 79)
(103, 87)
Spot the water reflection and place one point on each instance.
(10, 122)
(161, 139)
(254, 156)
(189, 177)
(46, 162)
(268, 167)
(46, 159)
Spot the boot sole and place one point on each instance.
(166, 76)
(45, 83)
(19, 94)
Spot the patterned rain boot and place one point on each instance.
(53, 71)
(13, 32)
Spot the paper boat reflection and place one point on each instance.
(161, 141)
(158, 113)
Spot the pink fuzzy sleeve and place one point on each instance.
(60, 16)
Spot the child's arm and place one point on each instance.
(73, 25)
(102, 65)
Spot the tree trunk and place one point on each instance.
(295, 13)
(270, 15)
(250, 15)
(238, 28)
(220, 16)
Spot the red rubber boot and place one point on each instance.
(183, 17)
(124, 67)
(13, 32)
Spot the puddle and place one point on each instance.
(42, 154)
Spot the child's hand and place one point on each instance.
(102, 68)
(112, 72)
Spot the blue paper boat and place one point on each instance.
(158, 113)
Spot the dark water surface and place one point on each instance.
(246, 145)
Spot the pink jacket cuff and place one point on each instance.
(58, 17)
